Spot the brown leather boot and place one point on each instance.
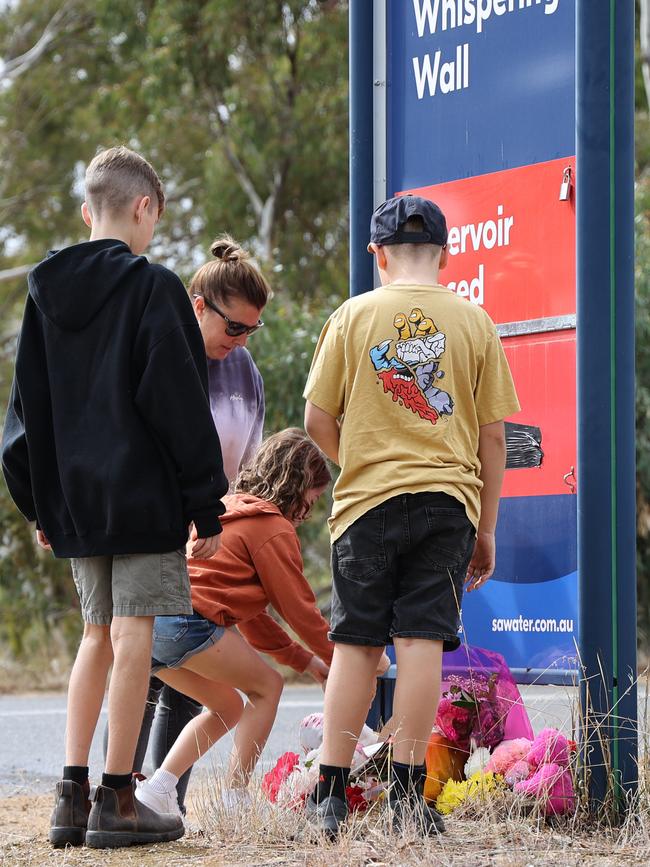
(70, 814)
(117, 819)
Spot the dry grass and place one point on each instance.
(500, 833)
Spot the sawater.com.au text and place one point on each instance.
(529, 624)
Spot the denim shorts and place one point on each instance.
(399, 571)
(176, 639)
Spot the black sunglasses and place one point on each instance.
(233, 329)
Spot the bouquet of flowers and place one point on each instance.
(289, 784)
(470, 711)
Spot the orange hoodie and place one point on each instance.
(259, 562)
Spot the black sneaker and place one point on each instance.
(426, 819)
(118, 819)
(70, 815)
(327, 815)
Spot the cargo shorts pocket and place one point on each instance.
(174, 577)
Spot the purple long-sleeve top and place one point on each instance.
(237, 404)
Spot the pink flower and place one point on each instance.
(552, 786)
(454, 722)
(489, 724)
(517, 773)
(471, 710)
(273, 780)
(507, 754)
(550, 746)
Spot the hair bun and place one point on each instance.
(227, 249)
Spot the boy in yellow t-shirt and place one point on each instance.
(407, 392)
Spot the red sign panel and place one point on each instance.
(544, 370)
(511, 240)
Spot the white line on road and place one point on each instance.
(60, 711)
(298, 703)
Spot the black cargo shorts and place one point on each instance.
(399, 571)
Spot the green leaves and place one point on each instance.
(241, 107)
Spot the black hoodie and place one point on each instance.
(109, 443)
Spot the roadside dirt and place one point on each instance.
(479, 843)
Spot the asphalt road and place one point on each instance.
(32, 731)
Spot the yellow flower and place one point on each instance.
(479, 785)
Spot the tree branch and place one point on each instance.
(12, 69)
(13, 273)
(241, 174)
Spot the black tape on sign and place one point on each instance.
(524, 445)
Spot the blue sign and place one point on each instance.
(528, 611)
(477, 86)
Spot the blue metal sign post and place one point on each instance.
(606, 452)
(361, 166)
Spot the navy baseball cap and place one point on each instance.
(387, 222)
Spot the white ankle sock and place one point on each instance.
(163, 781)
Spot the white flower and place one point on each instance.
(476, 762)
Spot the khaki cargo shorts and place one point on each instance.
(132, 585)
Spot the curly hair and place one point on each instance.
(285, 467)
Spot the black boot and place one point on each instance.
(70, 815)
(406, 800)
(118, 819)
(327, 815)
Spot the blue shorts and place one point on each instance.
(178, 637)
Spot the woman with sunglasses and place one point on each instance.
(229, 295)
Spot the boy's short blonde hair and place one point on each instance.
(118, 175)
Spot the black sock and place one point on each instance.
(407, 780)
(116, 781)
(331, 781)
(76, 773)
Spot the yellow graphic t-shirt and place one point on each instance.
(412, 372)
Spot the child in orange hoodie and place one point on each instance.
(204, 656)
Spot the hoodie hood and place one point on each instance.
(72, 285)
(247, 506)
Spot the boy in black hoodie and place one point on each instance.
(109, 445)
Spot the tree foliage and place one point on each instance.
(242, 109)
(643, 406)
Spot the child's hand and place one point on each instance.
(203, 549)
(42, 540)
(481, 566)
(318, 669)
